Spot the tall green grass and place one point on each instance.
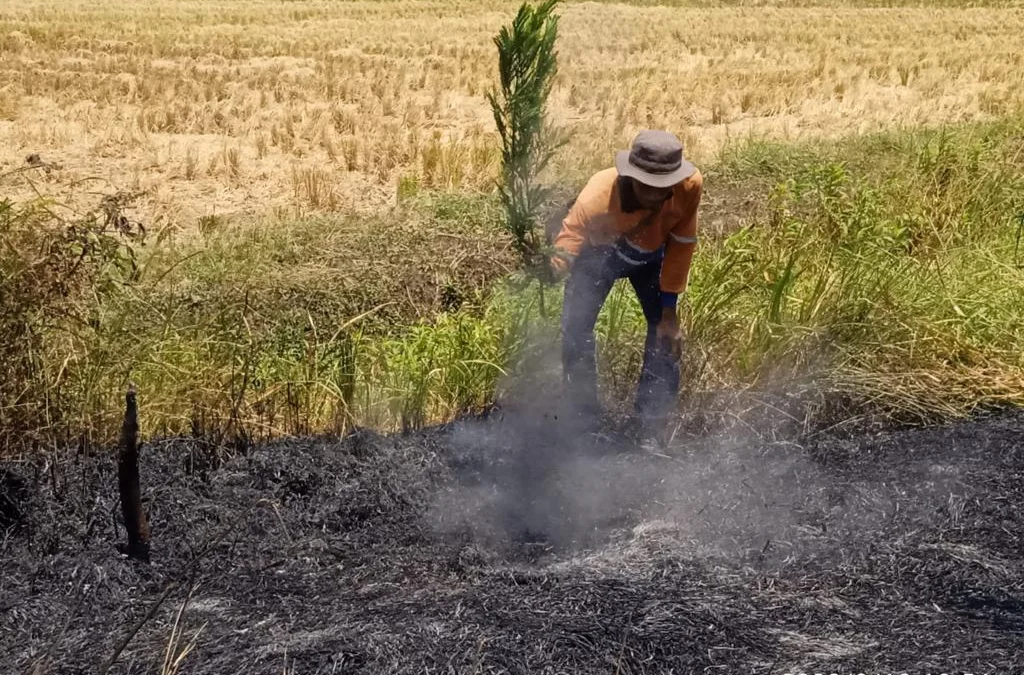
(881, 269)
(884, 265)
(264, 329)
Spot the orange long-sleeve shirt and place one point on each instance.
(598, 218)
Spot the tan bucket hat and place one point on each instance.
(656, 159)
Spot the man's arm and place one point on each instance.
(570, 237)
(682, 241)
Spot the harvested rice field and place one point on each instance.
(239, 108)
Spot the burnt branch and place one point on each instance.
(128, 483)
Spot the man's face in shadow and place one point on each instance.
(650, 197)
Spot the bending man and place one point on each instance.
(636, 220)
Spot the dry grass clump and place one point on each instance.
(51, 273)
(216, 106)
(285, 326)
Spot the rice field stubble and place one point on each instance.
(243, 107)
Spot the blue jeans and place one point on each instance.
(593, 274)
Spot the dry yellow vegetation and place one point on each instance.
(246, 106)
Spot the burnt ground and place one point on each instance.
(515, 545)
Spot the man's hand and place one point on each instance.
(669, 336)
(558, 267)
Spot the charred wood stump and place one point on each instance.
(13, 495)
(128, 483)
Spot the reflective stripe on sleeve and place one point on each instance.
(638, 249)
(683, 240)
(625, 257)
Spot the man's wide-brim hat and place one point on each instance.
(656, 159)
